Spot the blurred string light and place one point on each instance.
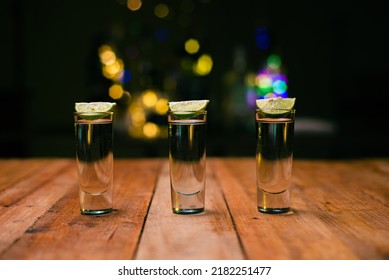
(113, 69)
(134, 5)
(144, 116)
(161, 10)
(192, 46)
(203, 66)
(262, 38)
(149, 103)
(116, 91)
(200, 67)
(268, 82)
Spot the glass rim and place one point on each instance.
(93, 116)
(186, 111)
(276, 110)
(94, 113)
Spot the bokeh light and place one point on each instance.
(268, 82)
(150, 130)
(138, 116)
(274, 61)
(143, 114)
(251, 80)
(280, 87)
(128, 61)
(134, 5)
(116, 91)
(113, 71)
(161, 107)
(126, 76)
(112, 67)
(149, 98)
(203, 66)
(107, 56)
(264, 82)
(161, 10)
(262, 38)
(192, 46)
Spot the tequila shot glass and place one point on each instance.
(94, 154)
(187, 160)
(274, 158)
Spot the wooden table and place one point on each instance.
(340, 211)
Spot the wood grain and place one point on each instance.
(340, 211)
(59, 231)
(329, 221)
(209, 235)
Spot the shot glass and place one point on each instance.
(274, 158)
(187, 160)
(94, 154)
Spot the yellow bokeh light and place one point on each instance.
(192, 46)
(162, 106)
(116, 91)
(161, 10)
(149, 98)
(150, 130)
(103, 49)
(110, 71)
(138, 117)
(203, 66)
(107, 57)
(134, 5)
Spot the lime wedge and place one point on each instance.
(90, 107)
(188, 106)
(188, 109)
(94, 110)
(275, 106)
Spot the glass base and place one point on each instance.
(96, 212)
(96, 204)
(187, 211)
(273, 203)
(187, 204)
(273, 210)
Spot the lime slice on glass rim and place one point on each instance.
(188, 108)
(275, 106)
(94, 110)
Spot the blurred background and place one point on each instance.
(333, 57)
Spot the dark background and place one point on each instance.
(335, 56)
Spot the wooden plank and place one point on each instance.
(271, 236)
(61, 232)
(312, 231)
(340, 209)
(17, 217)
(12, 173)
(210, 235)
(19, 178)
(355, 209)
